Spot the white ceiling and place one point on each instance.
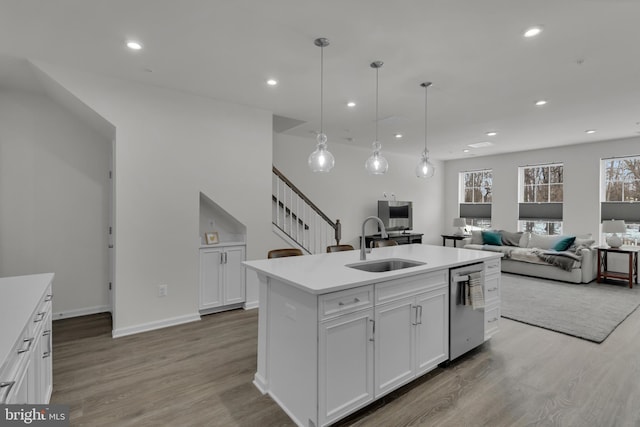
(485, 75)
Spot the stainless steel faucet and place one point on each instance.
(363, 246)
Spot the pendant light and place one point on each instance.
(321, 160)
(425, 168)
(376, 164)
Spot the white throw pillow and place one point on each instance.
(476, 237)
(524, 239)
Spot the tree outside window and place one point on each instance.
(542, 184)
(477, 186)
(622, 184)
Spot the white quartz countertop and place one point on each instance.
(323, 273)
(19, 297)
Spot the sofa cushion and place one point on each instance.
(524, 239)
(540, 241)
(581, 244)
(510, 239)
(564, 243)
(476, 237)
(492, 238)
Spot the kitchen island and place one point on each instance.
(333, 338)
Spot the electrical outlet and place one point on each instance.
(162, 290)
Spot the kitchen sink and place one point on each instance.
(380, 266)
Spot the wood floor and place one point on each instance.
(200, 374)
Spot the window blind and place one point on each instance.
(540, 211)
(475, 210)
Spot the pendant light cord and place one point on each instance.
(425, 117)
(321, 87)
(377, 70)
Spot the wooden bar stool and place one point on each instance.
(279, 253)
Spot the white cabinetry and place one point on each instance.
(222, 277)
(411, 335)
(25, 344)
(339, 351)
(491, 297)
(345, 364)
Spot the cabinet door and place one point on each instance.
(432, 332)
(394, 344)
(345, 361)
(234, 276)
(210, 278)
(46, 363)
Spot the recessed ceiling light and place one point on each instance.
(492, 133)
(482, 144)
(272, 82)
(133, 45)
(541, 102)
(398, 135)
(532, 32)
(351, 104)
(466, 150)
(590, 131)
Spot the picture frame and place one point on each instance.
(211, 238)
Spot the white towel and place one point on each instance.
(476, 290)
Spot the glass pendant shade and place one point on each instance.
(376, 164)
(425, 168)
(321, 160)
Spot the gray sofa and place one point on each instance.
(527, 254)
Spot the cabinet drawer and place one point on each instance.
(491, 321)
(492, 267)
(15, 365)
(40, 314)
(409, 286)
(491, 289)
(347, 301)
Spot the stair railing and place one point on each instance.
(300, 219)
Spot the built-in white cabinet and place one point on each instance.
(345, 364)
(222, 277)
(25, 347)
(411, 333)
(339, 351)
(491, 298)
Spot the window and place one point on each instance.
(620, 195)
(476, 197)
(541, 198)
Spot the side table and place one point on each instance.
(454, 237)
(630, 276)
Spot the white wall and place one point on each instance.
(54, 200)
(581, 182)
(350, 194)
(170, 146)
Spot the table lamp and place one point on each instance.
(614, 226)
(461, 223)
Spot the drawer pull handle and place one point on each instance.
(7, 388)
(46, 333)
(24, 350)
(493, 289)
(46, 354)
(39, 317)
(493, 320)
(48, 298)
(355, 301)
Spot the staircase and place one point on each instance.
(297, 220)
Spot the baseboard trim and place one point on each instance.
(81, 312)
(251, 305)
(159, 324)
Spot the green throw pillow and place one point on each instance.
(491, 238)
(564, 243)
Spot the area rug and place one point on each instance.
(588, 311)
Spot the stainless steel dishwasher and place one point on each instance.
(466, 325)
